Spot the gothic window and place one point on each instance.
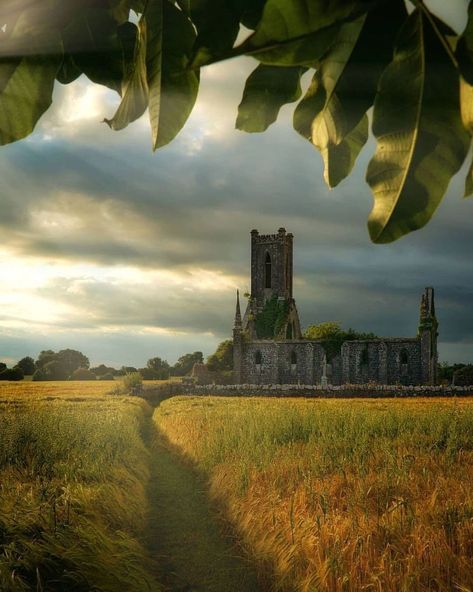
(289, 331)
(404, 364)
(258, 358)
(293, 358)
(267, 271)
(364, 358)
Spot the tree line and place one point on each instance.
(70, 364)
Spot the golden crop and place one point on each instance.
(343, 495)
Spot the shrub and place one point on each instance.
(464, 376)
(133, 382)
(148, 373)
(82, 374)
(15, 373)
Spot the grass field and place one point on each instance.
(344, 495)
(73, 502)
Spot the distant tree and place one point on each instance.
(15, 373)
(446, 371)
(63, 363)
(108, 376)
(127, 370)
(102, 369)
(27, 365)
(186, 362)
(3, 366)
(222, 359)
(45, 356)
(148, 373)
(464, 376)
(160, 366)
(82, 374)
(72, 360)
(332, 336)
(53, 370)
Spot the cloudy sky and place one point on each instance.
(125, 254)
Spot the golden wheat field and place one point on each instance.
(74, 471)
(343, 495)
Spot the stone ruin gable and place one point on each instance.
(383, 361)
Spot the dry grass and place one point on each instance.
(344, 495)
(73, 477)
(60, 389)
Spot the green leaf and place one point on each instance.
(68, 71)
(421, 140)
(100, 47)
(344, 86)
(217, 25)
(252, 14)
(339, 159)
(173, 87)
(26, 87)
(466, 105)
(267, 89)
(299, 32)
(469, 182)
(464, 49)
(32, 55)
(135, 90)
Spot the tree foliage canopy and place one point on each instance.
(332, 336)
(408, 66)
(222, 359)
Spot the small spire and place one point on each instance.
(237, 323)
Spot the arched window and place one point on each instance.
(267, 271)
(404, 357)
(258, 358)
(293, 358)
(364, 358)
(289, 331)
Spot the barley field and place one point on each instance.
(73, 502)
(343, 495)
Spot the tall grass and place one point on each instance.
(340, 495)
(73, 479)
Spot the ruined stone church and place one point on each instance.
(268, 347)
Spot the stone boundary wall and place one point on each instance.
(156, 393)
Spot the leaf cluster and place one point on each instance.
(409, 71)
(270, 321)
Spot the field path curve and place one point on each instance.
(186, 535)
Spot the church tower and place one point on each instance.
(271, 266)
(271, 288)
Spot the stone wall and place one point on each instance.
(318, 391)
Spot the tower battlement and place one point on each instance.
(271, 266)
